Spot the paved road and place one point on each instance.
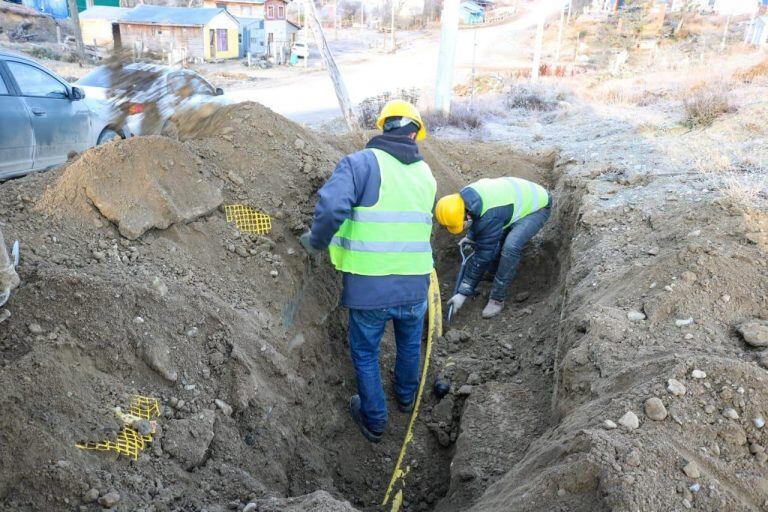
(310, 98)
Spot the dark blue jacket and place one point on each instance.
(488, 233)
(356, 182)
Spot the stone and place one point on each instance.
(698, 374)
(473, 379)
(35, 328)
(299, 144)
(109, 500)
(730, 413)
(653, 251)
(251, 507)
(687, 503)
(655, 410)
(274, 273)
(156, 354)
(90, 496)
(733, 434)
(683, 322)
(754, 332)
(635, 316)
(629, 421)
(464, 390)
(633, 459)
(759, 422)
(689, 277)
(224, 406)
(522, 296)
(691, 470)
(676, 387)
(609, 425)
(755, 448)
(143, 427)
(159, 286)
(443, 411)
(188, 439)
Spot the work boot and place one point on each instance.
(357, 417)
(493, 308)
(403, 406)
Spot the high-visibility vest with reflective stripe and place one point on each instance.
(392, 236)
(525, 196)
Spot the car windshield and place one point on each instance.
(140, 79)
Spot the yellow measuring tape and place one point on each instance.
(435, 328)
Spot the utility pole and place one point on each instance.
(751, 26)
(392, 28)
(725, 32)
(342, 95)
(74, 16)
(570, 8)
(537, 48)
(472, 82)
(560, 32)
(449, 30)
(336, 20)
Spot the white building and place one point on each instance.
(759, 33)
(735, 7)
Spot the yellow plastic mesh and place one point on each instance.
(145, 407)
(247, 219)
(129, 442)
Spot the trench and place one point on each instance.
(462, 444)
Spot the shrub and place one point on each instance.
(461, 116)
(526, 98)
(704, 105)
(369, 108)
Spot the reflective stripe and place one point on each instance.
(368, 246)
(518, 202)
(391, 216)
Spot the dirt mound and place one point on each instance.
(139, 184)
(241, 339)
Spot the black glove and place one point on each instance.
(305, 243)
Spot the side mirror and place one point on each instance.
(76, 93)
(219, 91)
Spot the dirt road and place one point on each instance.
(311, 99)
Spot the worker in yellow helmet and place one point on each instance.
(501, 216)
(374, 216)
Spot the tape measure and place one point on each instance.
(435, 329)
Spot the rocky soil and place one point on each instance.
(626, 372)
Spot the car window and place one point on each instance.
(199, 86)
(125, 79)
(3, 88)
(35, 82)
(186, 85)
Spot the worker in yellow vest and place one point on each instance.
(501, 216)
(374, 216)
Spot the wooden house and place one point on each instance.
(100, 25)
(203, 34)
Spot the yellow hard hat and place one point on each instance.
(450, 213)
(401, 108)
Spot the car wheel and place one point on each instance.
(107, 135)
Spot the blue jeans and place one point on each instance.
(512, 250)
(366, 327)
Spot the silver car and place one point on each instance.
(144, 96)
(43, 118)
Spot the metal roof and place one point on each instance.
(183, 16)
(103, 12)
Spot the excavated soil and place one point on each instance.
(133, 282)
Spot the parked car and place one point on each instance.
(300, 49)
(144, 96)
(43, 118)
